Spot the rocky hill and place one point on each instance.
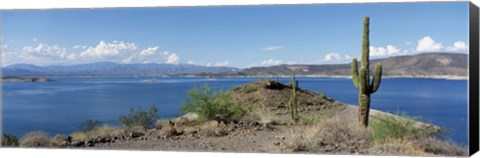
(420, 65)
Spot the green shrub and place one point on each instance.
(35, 139)
(249, 89)
(9, 140)
(385, 127)
(213, 105)
(318, 98)
(146, 119)
(309, 119)
(90, 125)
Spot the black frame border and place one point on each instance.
(473, 109)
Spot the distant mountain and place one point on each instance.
(420, 65)
(110, 68)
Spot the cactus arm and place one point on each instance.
(363, 82)
(377, 77)
(355, 72)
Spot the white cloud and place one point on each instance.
(172, 58)
(272, 48)
(107, 50)
(271, 62)
(35, 40)
(389, 50)
(149, 51)
(332, 57)
(427, 44)
(224, 63)
(348, 57)
(128, 60)
(80, 47)
(219, 64)
(48, 51)
(458, 46)
(190, 62)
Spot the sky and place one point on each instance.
(234, 36)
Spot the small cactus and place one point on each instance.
(293, 100)
(361, 78)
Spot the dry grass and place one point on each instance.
(396, 147)
(439, 147)
(103, 131)
(36, 139)
(58, 141)
(333, 135)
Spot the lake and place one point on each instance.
(60, 106)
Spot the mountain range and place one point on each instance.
(419, 65)
(110, 69)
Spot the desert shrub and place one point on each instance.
(103, 131)
(309, 119)
(213, 105)
(249, 89)
(440, 147)
(9, 140)
(58, 141)
(107, 131)
(337, 135)
(142, 118)
(81, 136)
(89, 125)
(383, 127)
(396, 147)
(35, 139)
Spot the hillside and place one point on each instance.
(421, 65)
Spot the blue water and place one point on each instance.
(60, 106)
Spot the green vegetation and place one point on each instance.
(9, 140)
(309, 119)
(213, 105)
(385, 127)
(361, 78)
(249, 89)
(145, 119)
(89, 125)
(293, 100)
(318, 98)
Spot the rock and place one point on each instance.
(136, 134)
(89, 143)
(186, 119)
(161, 123)
(209, 125)
(100, 140)
(167, 132)
(77, 143)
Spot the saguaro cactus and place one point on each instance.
(361, 78)
(293, 100)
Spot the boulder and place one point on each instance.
(186, 119)
(136, 134)
(77, 143)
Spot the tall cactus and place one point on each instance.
(293, 100)
(361, 78)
